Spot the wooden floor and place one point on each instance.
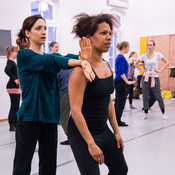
(149, 145)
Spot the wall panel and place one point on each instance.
(162, 46)
(172, 61)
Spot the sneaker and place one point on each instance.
(122, 124)
(164, 117)
(144, 117)
(12, 128)
(66, 142)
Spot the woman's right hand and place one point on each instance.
(145, 70)
(96, 153)
(131, 82)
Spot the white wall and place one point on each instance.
(68, 9)
(12, 14)
(156, 17)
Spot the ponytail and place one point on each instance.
(121, 45)
(22, 44)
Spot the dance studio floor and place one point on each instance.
(149, 145)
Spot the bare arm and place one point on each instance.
(126, 80)
(165, 65)
(113, 122)
(77, 86)
(137, 65)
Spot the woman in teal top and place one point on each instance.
(39, 113)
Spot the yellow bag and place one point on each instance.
(166, 94)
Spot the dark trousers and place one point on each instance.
(120, 98)
(65, 111)
(129, 90)
(113, 156)
(152, 98)
(156, 91)
(14, 106)
(27, 135)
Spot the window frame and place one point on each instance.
(116, 38)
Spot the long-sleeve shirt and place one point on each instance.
(11, 71)
(39, 84)
(131, 71)
(63, 80)
(121, 66)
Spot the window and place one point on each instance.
(45, 9)
(51, 36)
(42, 8)
(113, 48)
(35, 8)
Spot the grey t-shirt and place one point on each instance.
(151, 64)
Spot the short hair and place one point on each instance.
(52, 43)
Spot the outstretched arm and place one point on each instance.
(87, 70)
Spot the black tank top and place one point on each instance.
(95, 104)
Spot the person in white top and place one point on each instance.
(151, 77)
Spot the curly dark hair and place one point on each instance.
(87, 25)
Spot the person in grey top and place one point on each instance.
(151, 77)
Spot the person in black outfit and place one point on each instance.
(121, 79)
(12, 86)
(90, 138)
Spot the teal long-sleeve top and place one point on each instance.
(39, 85)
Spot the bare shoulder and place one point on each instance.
(77, 75)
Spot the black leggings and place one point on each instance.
(120, 98)
(129, 90)
(113, 156)
(14, 106)
(27, 135)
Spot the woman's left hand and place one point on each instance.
(119, 141)
(87, 70)
(86, 48)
